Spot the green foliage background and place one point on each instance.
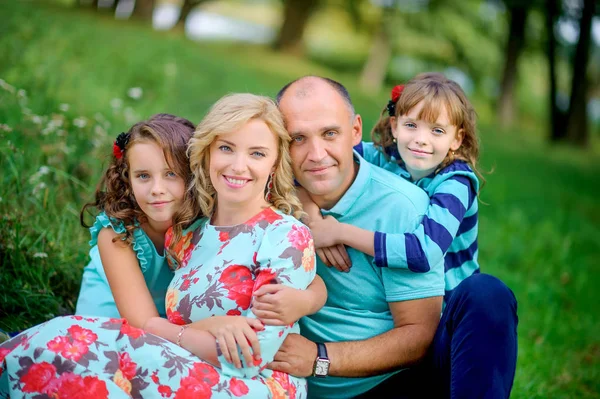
(63, 98)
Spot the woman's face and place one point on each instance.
(240, 164)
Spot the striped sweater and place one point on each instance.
(448, 229)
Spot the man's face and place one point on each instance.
(323, 132)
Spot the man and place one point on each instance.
(378, 321)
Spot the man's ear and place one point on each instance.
(356, 130)
(456, 143)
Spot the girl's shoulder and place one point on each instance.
(457, 170)
(141, 243)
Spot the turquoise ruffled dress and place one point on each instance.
(95, 296)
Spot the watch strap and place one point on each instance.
(321, 351)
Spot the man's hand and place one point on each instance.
(296, 356)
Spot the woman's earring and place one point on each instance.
(394, 140)
(268, 195)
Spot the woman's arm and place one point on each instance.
(279, 305)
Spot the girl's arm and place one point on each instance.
(126, 280)
(280, 305)
(417, 250)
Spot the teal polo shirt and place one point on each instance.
(357, 303)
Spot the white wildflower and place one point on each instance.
(99, 131)
(7, 87)
(80, 122)
(135, 93)
(116, 103)
(36, 119)
(40, 255)
(39, 187)
(44, 170)
(21, 93)
(64, 107)
(5, 128)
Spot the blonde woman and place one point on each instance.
(211, 345)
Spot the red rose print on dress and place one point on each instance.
(192, 388)
(74, 386)
(83, 335)
(126, 365)
(58, 344)
(238, 387)
(74, 350)
(299, 237)
(130, 331)
(205, 372)
(39, 378)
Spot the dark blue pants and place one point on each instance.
(474, 352)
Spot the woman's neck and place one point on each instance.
(231, 214)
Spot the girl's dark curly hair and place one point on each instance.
(114, 194)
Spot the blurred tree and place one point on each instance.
(186, 7)
(143, 9)
(296, 14)
(577, 129)
(517, 11)
(375, 68)
(552, 12)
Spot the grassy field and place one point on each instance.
(65, 94)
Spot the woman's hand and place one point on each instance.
(279, 305)
(232, 332)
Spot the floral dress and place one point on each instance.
(99, 357)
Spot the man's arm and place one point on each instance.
(415, 323)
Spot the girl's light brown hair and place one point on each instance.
(114, 194)
(228, 115)
(436, 92)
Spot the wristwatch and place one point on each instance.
(321, 366)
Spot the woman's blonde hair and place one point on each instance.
(227, 115)
(436, 92)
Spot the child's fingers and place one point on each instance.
(337, 261)
(255, 324)
(243, 343)
(252, 340)
(268, 289)
(342, 251)
(222, 343)
(323, 257)
(266, 314)
(233, 349)
(274, 322)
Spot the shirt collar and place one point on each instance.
(357, 188)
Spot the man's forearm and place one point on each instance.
(397, 348)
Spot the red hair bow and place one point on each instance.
(396, 91)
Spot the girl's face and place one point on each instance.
(240, 164)
(424, 145)
(157, 189)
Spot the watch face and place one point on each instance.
(322, 367)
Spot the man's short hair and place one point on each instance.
(337, 86)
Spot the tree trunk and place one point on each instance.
(557, 131)
(375, 69)
(185, 11)
(577, 123)
(143, 9)
(296, 14)
(514, 47)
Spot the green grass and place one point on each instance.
(539, 231)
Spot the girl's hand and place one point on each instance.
(326, 231)
(335, 256)
(232, 332)
(279, 305)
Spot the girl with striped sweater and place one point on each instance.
(426, 134)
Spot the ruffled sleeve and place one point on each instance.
(142, 246)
